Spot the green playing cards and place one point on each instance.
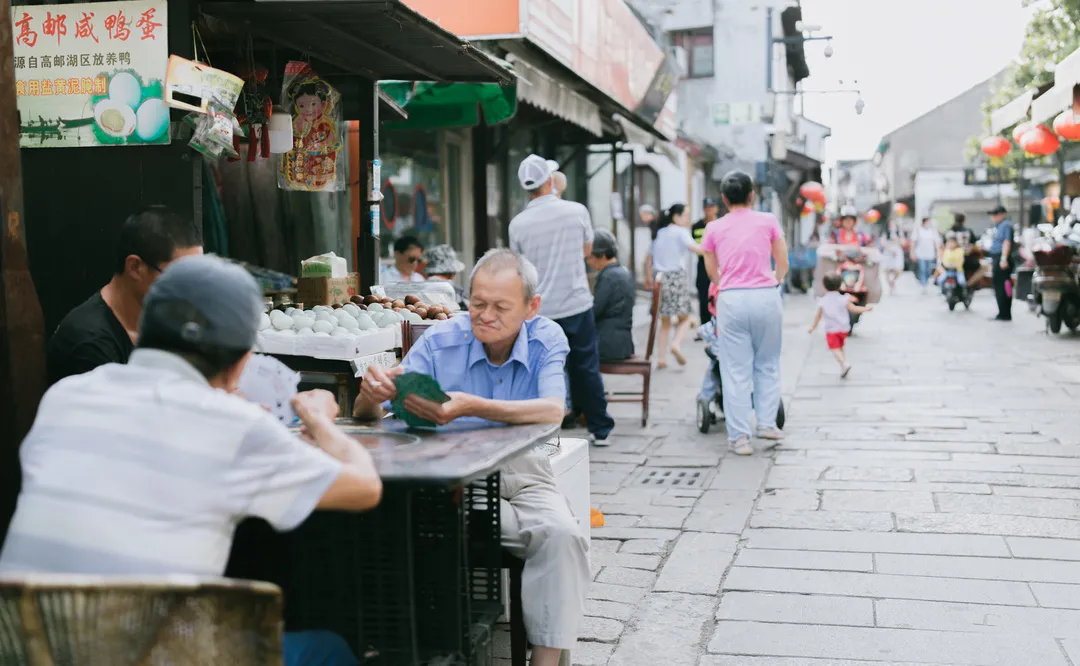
(421, 385)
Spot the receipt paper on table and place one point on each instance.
(269, 382)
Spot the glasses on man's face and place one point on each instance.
(414, 260)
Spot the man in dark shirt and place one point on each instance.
(712, 212)
(1001, 254)
(613, 300)
(102, 329)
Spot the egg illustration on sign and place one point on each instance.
(114, 118)
(152, 119)
(124, 88)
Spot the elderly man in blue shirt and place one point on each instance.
(1001, 253)
(503, 363)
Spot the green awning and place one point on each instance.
(438, 105)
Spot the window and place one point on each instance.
(699, 51)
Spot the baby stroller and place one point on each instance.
(710, 412)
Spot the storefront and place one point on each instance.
(92, 158)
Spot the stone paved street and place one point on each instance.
(926, 510)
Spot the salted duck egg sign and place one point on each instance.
(91, 74)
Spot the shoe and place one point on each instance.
(570, 421)
(677, 353)
(741, 446)
(844, 372)
(595, 441)
(771, 434)
(1000, 318)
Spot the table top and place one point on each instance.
(453, 454)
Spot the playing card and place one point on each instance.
(422, 385)
(269, 382)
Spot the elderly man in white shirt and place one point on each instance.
(556, 236)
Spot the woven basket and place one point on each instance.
(144, 621)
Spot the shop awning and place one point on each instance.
(547, 94)
(636, 135)
(1051, 103)
(1012, 113)
(436, 105)
(389, 109)
(377, 39)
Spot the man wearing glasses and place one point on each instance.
(103, 329)
(408, 259)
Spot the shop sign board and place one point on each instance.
(91, 74)
(736, 113)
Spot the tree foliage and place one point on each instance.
(1051, 35)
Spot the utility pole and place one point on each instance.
(22, 338)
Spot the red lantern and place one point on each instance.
(1067, 127)
(901, 210)
(807, 208)
(813, 191)
(1040, 141)
(873, 216)
(1022, 129)
(996, 146)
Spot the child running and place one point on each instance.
(834, 308)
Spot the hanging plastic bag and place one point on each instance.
(317, 162)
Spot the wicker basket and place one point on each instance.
(144, 621)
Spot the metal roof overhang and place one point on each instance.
(377, 39)
(1012, 113)
(552, 96)
(1061, 96)
(633, 133)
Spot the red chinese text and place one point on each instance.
(116, 24)
(26, 35)
(147, 24)
(54, 26)
(84, 28)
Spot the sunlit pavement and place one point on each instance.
(925, 510)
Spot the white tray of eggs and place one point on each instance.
(324, 332)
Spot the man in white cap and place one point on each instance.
(556, 236)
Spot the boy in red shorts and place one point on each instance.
(835, 308)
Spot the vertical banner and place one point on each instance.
(91, 74)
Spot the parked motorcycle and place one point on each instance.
(1056, 290)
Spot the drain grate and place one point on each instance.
(672, 477)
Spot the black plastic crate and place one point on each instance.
(399, 583)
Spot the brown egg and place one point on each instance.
(361, 306)
(387, 303)
(422, 312)
(421, 304)
(398, 309)
(410, 307)
(398, 304)
(372, 298)
(441, 316)
(412, 299)
(336, 306)
(357, 300)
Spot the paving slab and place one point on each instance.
(668, 629)
(796, 608)
(982, 618)
(697, 564)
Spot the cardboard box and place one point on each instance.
(327, 291)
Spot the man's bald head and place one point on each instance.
(558, 181)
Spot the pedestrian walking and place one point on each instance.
(1001, 256)
(835, 309)
(741, 249)
(892, 256)
(702, 281)
(671, 253)
(925, 250)
(556, 236)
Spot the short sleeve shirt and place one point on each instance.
(449, 352)
(671, 248)
(89, 336)
(552, 233)
(1002, 232)
(742, 243)
(145, 469)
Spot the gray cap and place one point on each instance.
(204, 301)
(604, 243)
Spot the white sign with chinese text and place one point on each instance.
(91, 74)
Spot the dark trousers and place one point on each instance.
(1000, 276)
(583, 366)
(703, 283)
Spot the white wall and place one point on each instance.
(934, 187)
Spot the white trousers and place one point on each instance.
(538, 527)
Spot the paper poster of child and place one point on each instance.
(312, 165)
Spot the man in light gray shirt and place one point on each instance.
(556, 236)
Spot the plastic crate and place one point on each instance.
(397, 583)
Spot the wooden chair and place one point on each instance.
(637, 365)
(174, 620)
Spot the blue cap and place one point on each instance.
(204, 301)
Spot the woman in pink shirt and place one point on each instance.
(740, 250)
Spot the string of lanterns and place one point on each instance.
(1035, 139)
